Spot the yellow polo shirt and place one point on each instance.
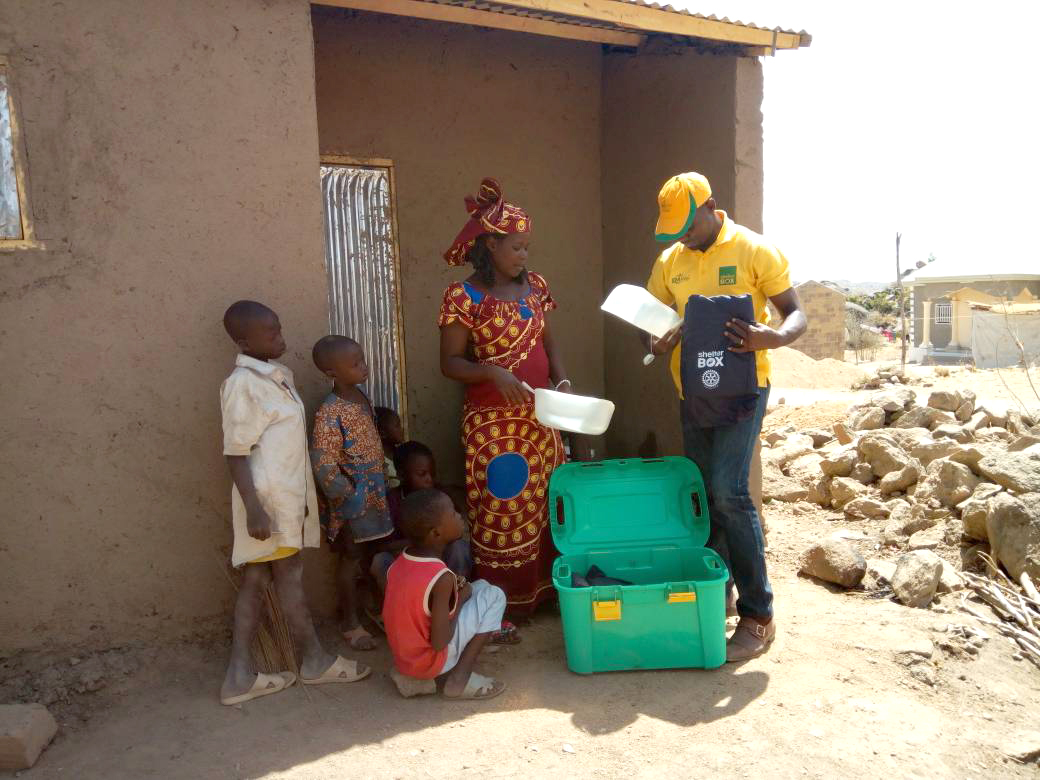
(740, 261)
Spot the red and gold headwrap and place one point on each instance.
(489, 213)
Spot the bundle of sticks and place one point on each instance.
(1017, 605)
(273, 648)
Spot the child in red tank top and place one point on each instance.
(437, 624)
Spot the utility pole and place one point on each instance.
(902, 309)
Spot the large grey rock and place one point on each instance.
(949, 579)
(896, 481)
(996, 413)
(1023, 747)
(894, 399)
(916, 578)
(25, 730)
(819, 437)
(777, 487)
(965, 411)
(947, 482)
(946, 400)
(904, 523)
(883, 456)
(1013, 527)
(923, 417)
(993, 435)
(907, 438)
(867, 419)
(928, 539)
(841, 433)
(820, 491)
(793, 446)
(926, 452)
(975, 509)
(1017, 471)
(881, 570)
(804, 468)
(970, 455)
(953, 431)
(862, 473)
(841, 462)
(865, 507)
(976, 421)
(1023, 442)
(835, 561)
(844, 490)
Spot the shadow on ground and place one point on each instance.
(169, 723)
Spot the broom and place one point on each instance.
(273, 647)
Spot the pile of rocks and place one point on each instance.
(950, 473)
(887, 375)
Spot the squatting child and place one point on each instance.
(437, 624)
(274, 513)
(347, 457)
(417, 468)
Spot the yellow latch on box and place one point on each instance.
(679, 598)
(606, 610)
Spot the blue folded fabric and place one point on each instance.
(719, 387)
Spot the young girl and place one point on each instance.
(347, 457)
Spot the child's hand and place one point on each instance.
(258, 523)
(465, 592)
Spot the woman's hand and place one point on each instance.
(510, 387)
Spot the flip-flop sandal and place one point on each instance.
(412, 686)
(357, 641)
(478, 687)
(341, 671)
(263, 685)
(508, 635)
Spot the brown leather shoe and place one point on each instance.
(751, 639)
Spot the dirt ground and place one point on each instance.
(831, 699)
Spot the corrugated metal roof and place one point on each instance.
(664, 20)
(805, 37)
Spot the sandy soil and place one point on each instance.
(830, 699)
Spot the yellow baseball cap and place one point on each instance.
(678, 201)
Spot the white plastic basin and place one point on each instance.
(638, 307)
(573, 413)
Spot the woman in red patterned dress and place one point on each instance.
(495, 337)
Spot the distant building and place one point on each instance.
(943, 311)
(824, 306)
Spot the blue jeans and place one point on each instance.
(724, 455)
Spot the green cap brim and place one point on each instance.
(669, 237)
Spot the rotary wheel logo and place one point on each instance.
(711, 378)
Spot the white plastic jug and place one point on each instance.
(638, 307)
(573, 413)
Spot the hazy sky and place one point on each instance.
(921, 117)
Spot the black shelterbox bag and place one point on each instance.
(719, 387)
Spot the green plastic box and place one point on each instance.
(645, 521)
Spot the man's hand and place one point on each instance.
(751, 336)
(661, 346)
(258, 523)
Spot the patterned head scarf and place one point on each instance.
(489, 213)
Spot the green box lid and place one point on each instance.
(628, 503)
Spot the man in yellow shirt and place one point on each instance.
(711, 255)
